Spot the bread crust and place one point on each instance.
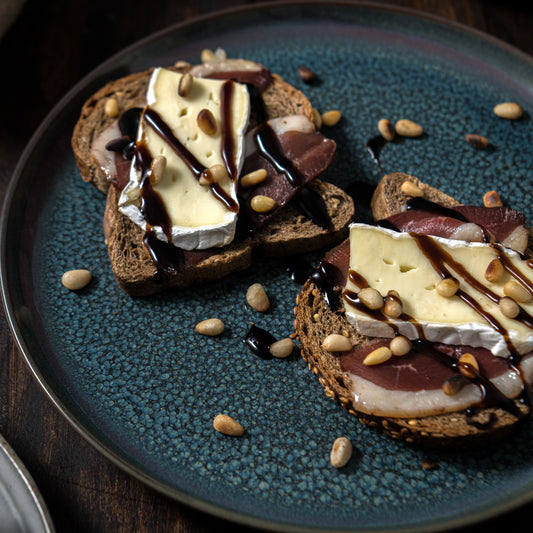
(314, 321)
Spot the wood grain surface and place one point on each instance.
(53, 44)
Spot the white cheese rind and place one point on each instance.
(199, 219)
(391, 260)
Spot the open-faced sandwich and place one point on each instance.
(422, 324)
(203, 166)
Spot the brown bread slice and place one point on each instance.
(314, 321)
(288, 232)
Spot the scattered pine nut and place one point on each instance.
(330, 118)
(210, 327)
(214, 174)
(185, 85)
(306, 74)
(253, 178)
(317, 118)
(393, 305)
(207, 122)
(262, 204)
(341, 452)
(111, 107)
(453, 385)
(509, 307)
(468, 366)
(508, 110)
(336, 343)
(257, 297)
(517, 292)
(400, 345)
(492, 199)
(371, 298)
(378, 356)
(411, 189)
(447, 287)
(182, 65)
(386, 129)
(207, 55)
(227, 425)
(77, 279)
(408, 128)
(495, 271)
(158, 167)
(282, 348)
(477, 141)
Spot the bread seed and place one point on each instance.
(453, 385)
(411, 189)
(330, 118)
(336, 343)
(253, 178)
(492, 199)
(227, 425)
(111, 107)
(447, 287)
(408, 128)
(477, 141)
(75, 280)
(262, 204)
(386, 129)
(158, 167)
(257, 297)
(371, 298)
(185, 85)
(341, 452)
(509, 307)
(210, 327)
(378, 356)
(282, 348)
(495, 271)
(400, 345)
(508, 110)
(207, 122)
(517, 292)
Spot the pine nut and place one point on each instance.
(111, 107)
(509, 307)
(378, 356)
(306, 74)
(336, 343)
(447, 287)
(341, 452)
(282, 348)
(411, 189)
(386, 129)
(253, 178)
(257, 297)
(210, 327)
(207, 122)
(400, 345)
(317, 118)
(185, 85)
(227, 425)
(453, 385)
(517, 292)
(330, 118)
(371, 298)
(181, 65)
(408, 128)
(207, 55)
(158, 167)
(492, 199)
(214, 174)
(468, 365)
(508, 110)
(262, 204)
(77, 279)
(477, 141)
(495, 271)
(393, 305)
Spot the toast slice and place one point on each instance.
(315, 319)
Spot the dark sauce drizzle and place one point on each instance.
(259, 341)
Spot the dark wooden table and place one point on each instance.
(55, 43)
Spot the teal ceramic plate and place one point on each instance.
(137, 381)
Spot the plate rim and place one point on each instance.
(56, 111)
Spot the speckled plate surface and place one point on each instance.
(140, 385)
